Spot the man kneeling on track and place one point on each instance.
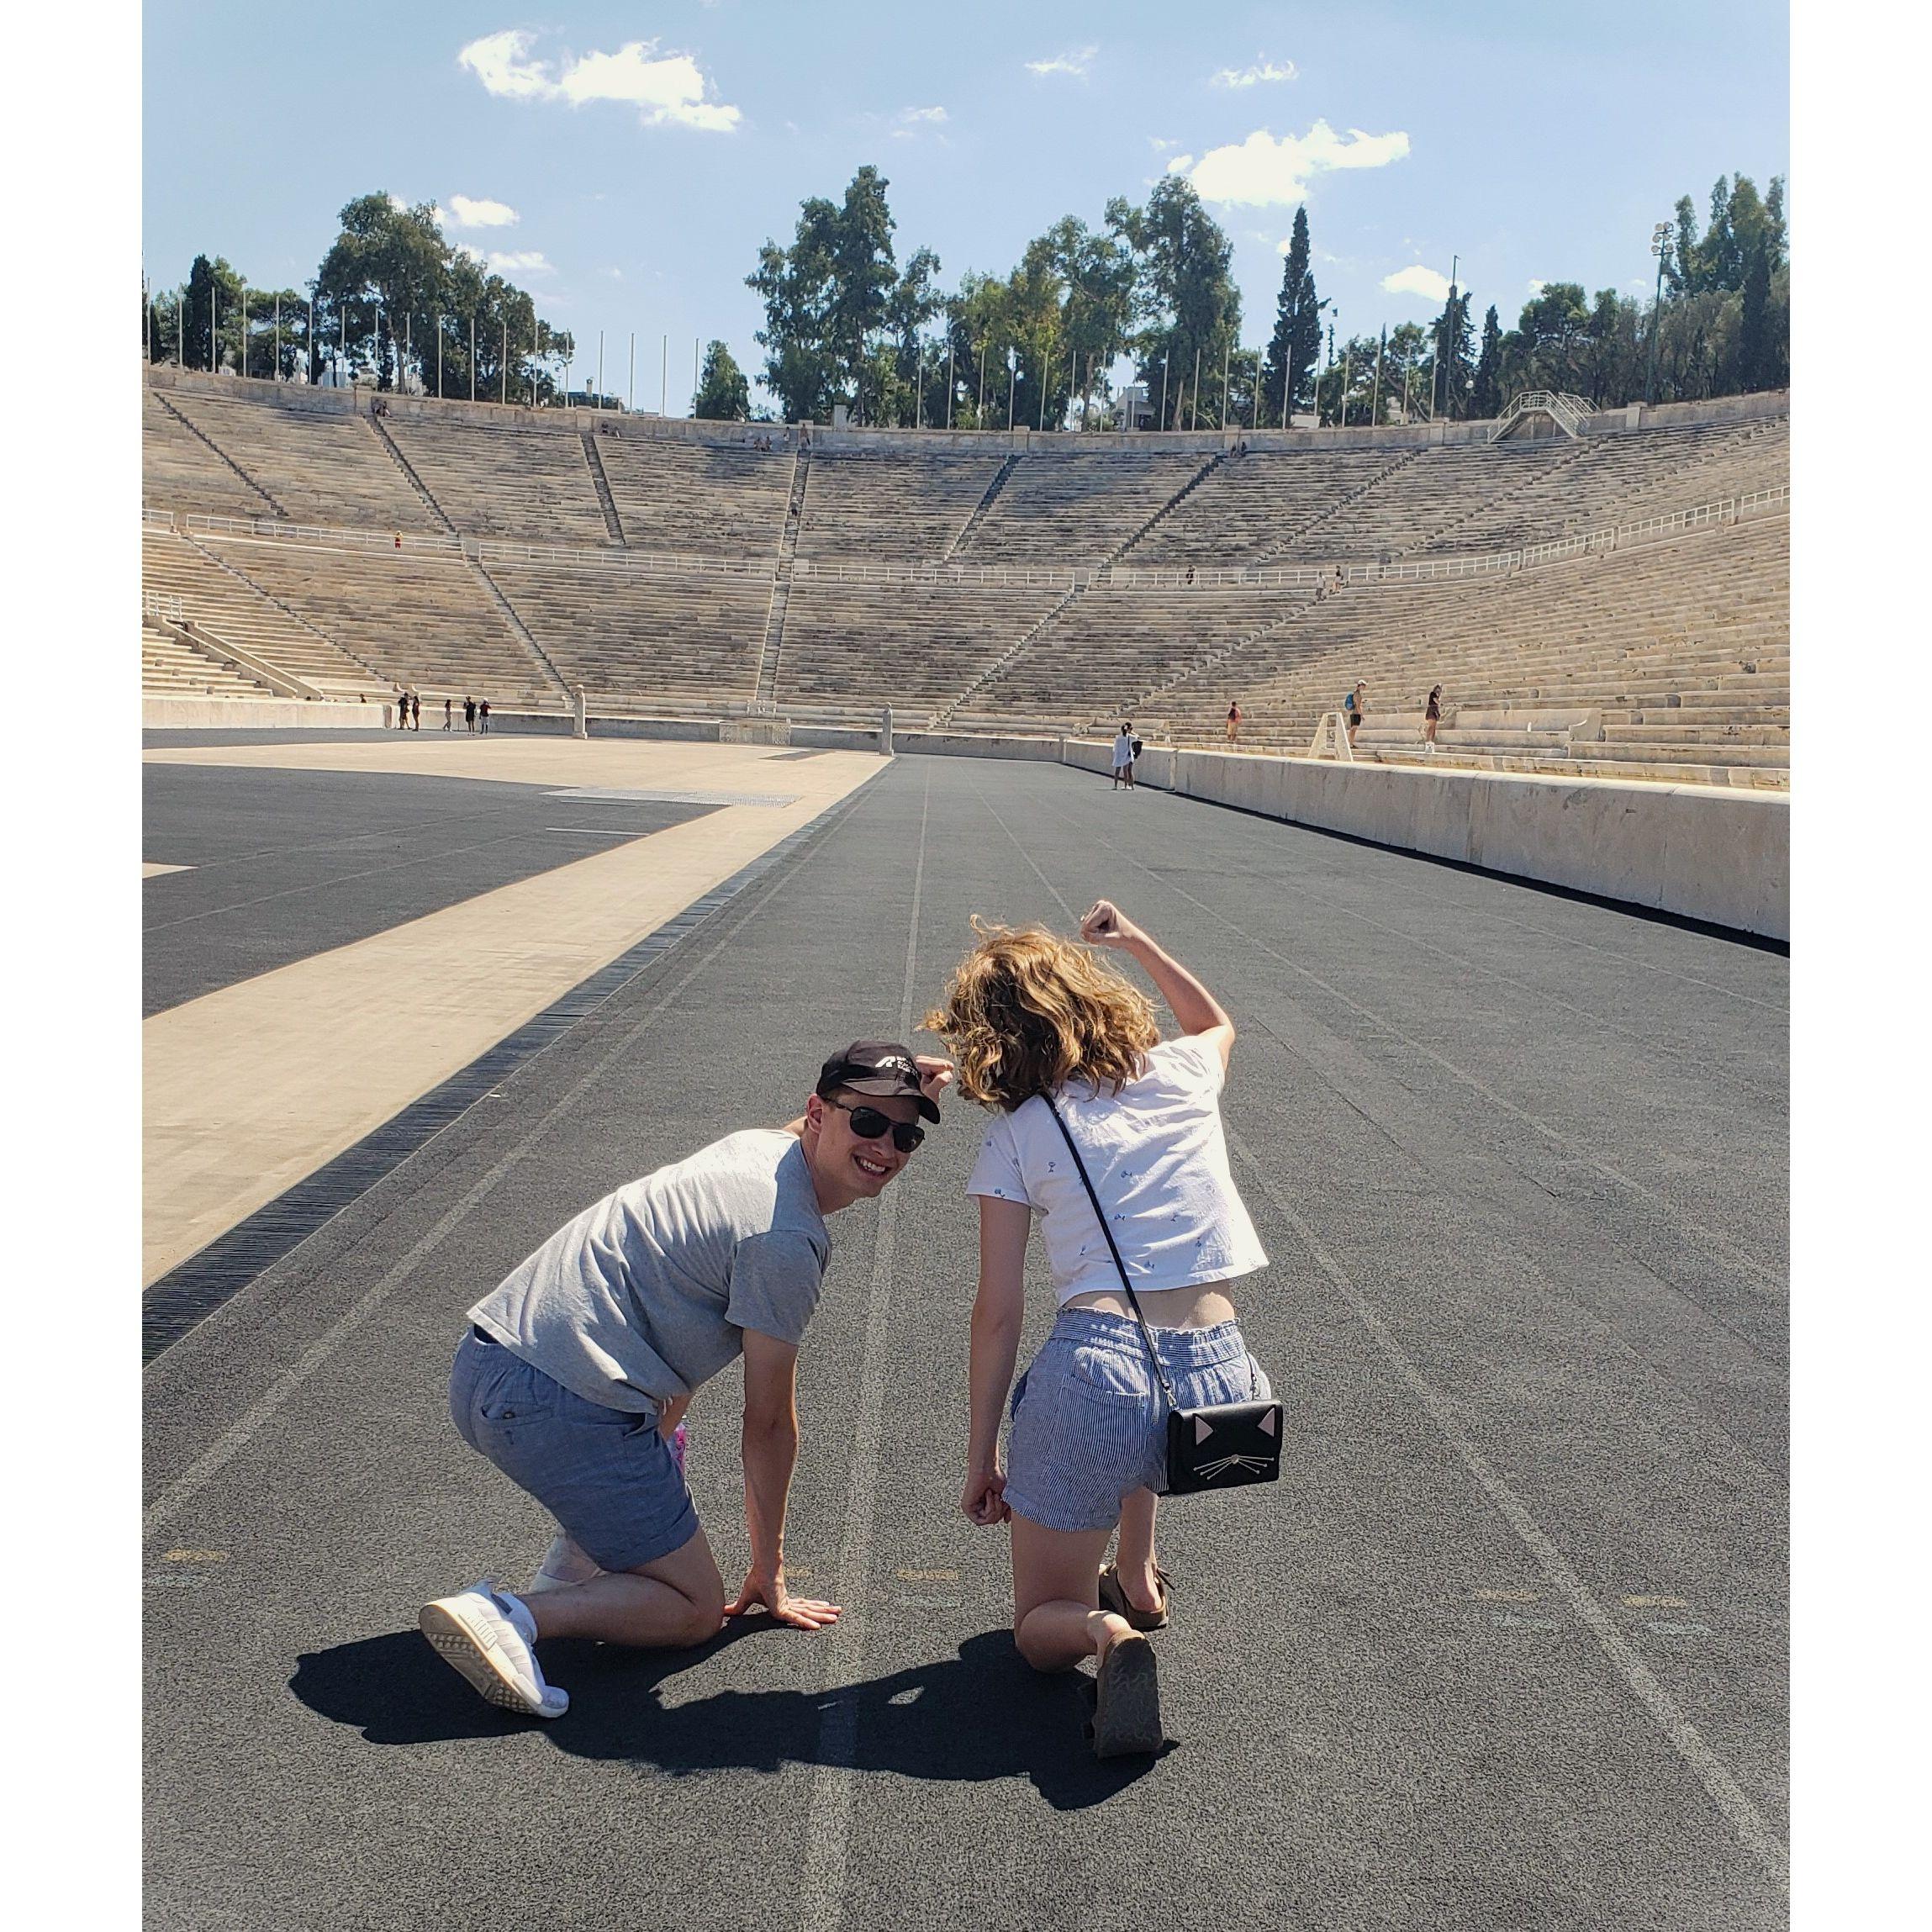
(575, 1373)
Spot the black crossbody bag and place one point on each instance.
(1219, 1447)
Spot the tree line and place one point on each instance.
(847, 324)
(392, 299)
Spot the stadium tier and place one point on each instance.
(996, 582)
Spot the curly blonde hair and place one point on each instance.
(1026, 1011)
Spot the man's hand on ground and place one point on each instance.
(768, 1588)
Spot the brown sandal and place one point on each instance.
(1113, 1597)
(1126, 1700)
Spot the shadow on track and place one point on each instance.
(980, 1716)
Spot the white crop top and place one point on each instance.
(1158, 1159)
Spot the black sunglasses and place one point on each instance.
(868, 1123)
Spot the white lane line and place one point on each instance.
(232, 1441)
(1749, 1823)
(834, 1784)
(601, 831)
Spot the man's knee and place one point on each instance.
(704, 1622)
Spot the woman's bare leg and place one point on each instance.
(1133, 1555)
(1057, 1619)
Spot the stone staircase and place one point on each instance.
(1102, 574)
(1333, 509)
(985, 505)
(601, 484)
(521, 630)
(408, 470)
(202, 436)
(1167, 509)
(1540, 481)
(772, 646)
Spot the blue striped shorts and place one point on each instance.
(1089, 1420)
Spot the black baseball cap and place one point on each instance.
(880, 1067)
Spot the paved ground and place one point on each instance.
(1506, 1647)
(279, 865)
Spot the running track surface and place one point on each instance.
(1505, 1647)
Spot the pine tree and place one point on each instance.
(1297, 342)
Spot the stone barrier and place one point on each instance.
(159, 714)
(1723, 857)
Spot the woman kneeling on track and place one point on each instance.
(1036, 1024)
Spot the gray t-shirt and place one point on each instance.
(646, 1294)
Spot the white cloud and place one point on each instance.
(1159, 146)
(1262, 70)
(1264, 171)
(911, 115)
(666, 90)
(463, 212)
(1076, 61)
(522, 260)
(1416, 280)
(475, 255)
(1534, 286)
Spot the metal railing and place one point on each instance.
(1566, 410)
(1600, 542)
(162, 607)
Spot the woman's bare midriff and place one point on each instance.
(1203, 1306)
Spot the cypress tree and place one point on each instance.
(1486, 397)
(1297, 342)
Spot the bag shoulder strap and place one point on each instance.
(1113, 1248)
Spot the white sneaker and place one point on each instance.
(564, 1564)
(476, 1634)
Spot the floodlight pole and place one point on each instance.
(1226, 367)
(1012, 386)
(695, 377)
(181, 325)
(949, 347)
(664, 376)
(1376, 399)
(213, 295)
(919, 390)
(979, 406)
(278, 338)
(472, 358)
(631, 382)
(439, 356)
(1165, 360)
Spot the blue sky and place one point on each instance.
(628, 160)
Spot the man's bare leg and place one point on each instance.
(673, 1602)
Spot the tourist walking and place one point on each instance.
(1123, 757)
(469, 714)
(449, 719)
(573, 1374)
(1432, 716)
(415, 710)
(1233, 723)
(1087, 1095)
